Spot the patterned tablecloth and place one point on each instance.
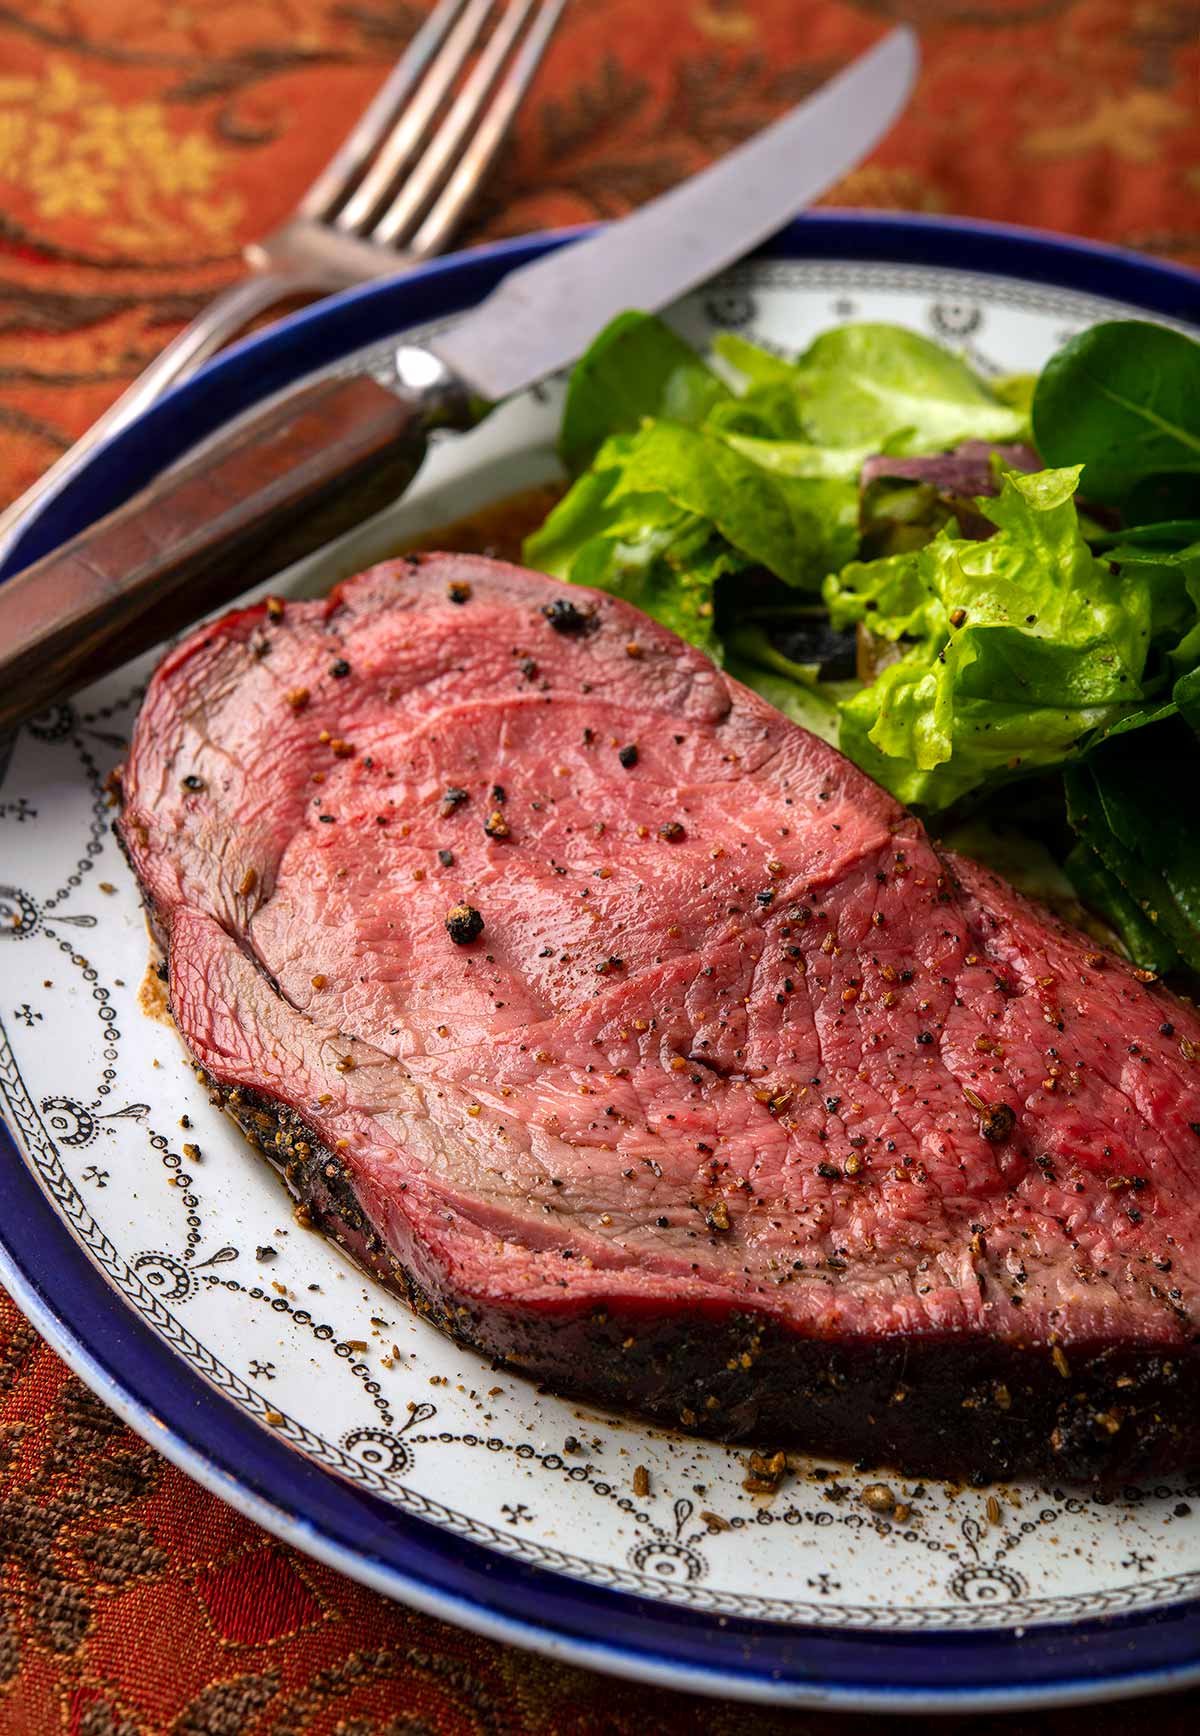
(141, 143)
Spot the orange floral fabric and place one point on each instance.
(142, 144)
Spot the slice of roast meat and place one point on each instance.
(745, 1107)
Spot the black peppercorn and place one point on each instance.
(996, 1122)
(463, 924)
(566, 617)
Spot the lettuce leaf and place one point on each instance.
(1186, 696)
(796, 689)
(998, 637)
(1171, 579)
(1138, 853)
(890, 596)
(1016, 648)
(809, 705)
(1124, 803)
(644, 547)
(680, 481)
(881, 387)
(796, 457)
(798, 527)
(1173, 533)
(667, 510)
(1102, 892)
(1123, 399)
(636, 368)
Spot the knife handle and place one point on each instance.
(281, 484)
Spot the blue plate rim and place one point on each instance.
(135, 1372)
(307, 340)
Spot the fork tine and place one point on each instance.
(340, 173)
(419, 187)
(475, 161)
(401, 144)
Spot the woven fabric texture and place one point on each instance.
(142, 143)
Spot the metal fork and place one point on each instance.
(391, 196)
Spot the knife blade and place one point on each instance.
(545, 314)
(288, 479)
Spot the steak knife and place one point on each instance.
(286, 479)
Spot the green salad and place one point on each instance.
(985, 592)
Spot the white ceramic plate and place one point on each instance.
(139, 1179)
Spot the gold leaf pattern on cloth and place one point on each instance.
(147, 180)
(142, 143)
(1131, 126)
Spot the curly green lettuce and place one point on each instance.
(1012, 650)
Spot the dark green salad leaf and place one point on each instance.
(636, 368)
(862, 534)
(1186, 696)
(1102, 891)
(1124, 803)
(1161, 500)
(1171, 533)
(1123, 399)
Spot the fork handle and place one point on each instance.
(215, 325)
(283, 483)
